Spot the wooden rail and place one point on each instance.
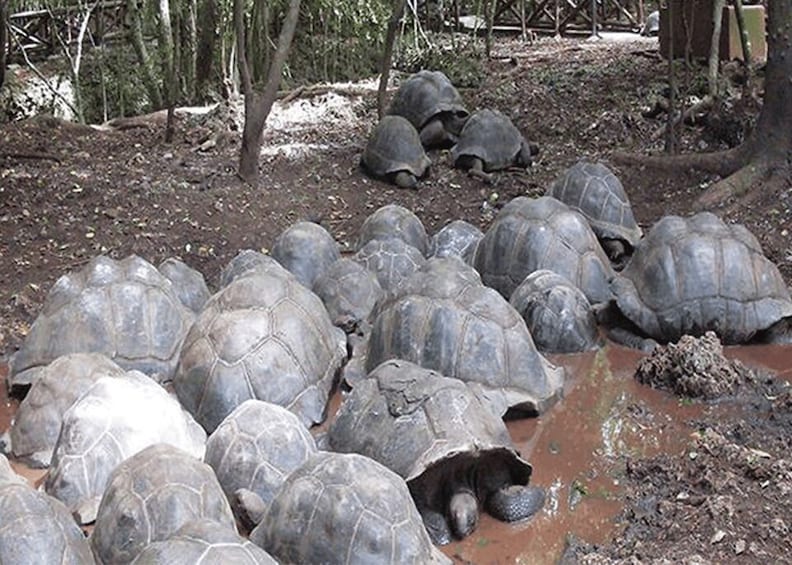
(40, 32)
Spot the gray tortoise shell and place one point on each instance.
(691, 275)
(393, 221)
(125, 309)
(411, 419)
(305, 249)
(394, 146)
(150, 496)
(593, 190)
(492, 137)
(256, 447)
(37, 422)
(342, 509)
(543, 233)
(557, 313)
(349, 291)
(444, 319)
(425, 95)
(204, 542)
(391, 260)
(35, 527)
(110, 422)
(459, 238)
(263, 336)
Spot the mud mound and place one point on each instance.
(694, 368)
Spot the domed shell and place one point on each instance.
(443, 318)
(37, 422)
(492, 137)
(34, 527)
(305, 249)
(349, 291)
(150, 496)
(543, 233)
(124, 309)
(256, 447)
(424, 95)
(411, 419)
(263, 336)
(109, 423)
(557, 313)
(345, 509)
(189, 284)
(394, 146)
(391, 260)
(393, 221)
(249, 260)
(459, 238)
(204, 542)
(698, 274)
(593, 190)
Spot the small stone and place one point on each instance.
(717, 537)
(739, 546)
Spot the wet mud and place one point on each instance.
(579, 450)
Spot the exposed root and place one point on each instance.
(733, 186)
(723, 163)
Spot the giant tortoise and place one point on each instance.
(115, 418)
(698, 274)
(394, 153)
(35, 527)
(543, 233)
(252, 452)
(490, 142)
(125, 309)
(204, 542)
(305, 249)
(340, 508)
(262, 336)
(444, 318)
(37, 423)
(391, 260)
(349, 291)
(150, 496)
(557, 313)
(393, 221)
(434, 432)
(432, 105)
(593, 190)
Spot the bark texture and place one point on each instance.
(258, 105)
(765, 158)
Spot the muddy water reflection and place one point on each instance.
(578, 452)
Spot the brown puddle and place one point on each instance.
(577, 450)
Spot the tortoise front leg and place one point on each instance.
(477, 170)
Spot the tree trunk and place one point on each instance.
(169, 78)
(258, 106)
(387, 55)
(714, 57)
(744, 40)
(3, 40)
(206, 50)
(139, 45)
(765, 158)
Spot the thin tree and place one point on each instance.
(764, 160)
(259, 104)
(169, 77)
(3, 39)
(387, 54)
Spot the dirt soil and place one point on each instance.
(68, 193)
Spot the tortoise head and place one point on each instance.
(463, 512)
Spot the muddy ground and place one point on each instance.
(70, 192)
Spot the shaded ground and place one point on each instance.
(68, 193)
